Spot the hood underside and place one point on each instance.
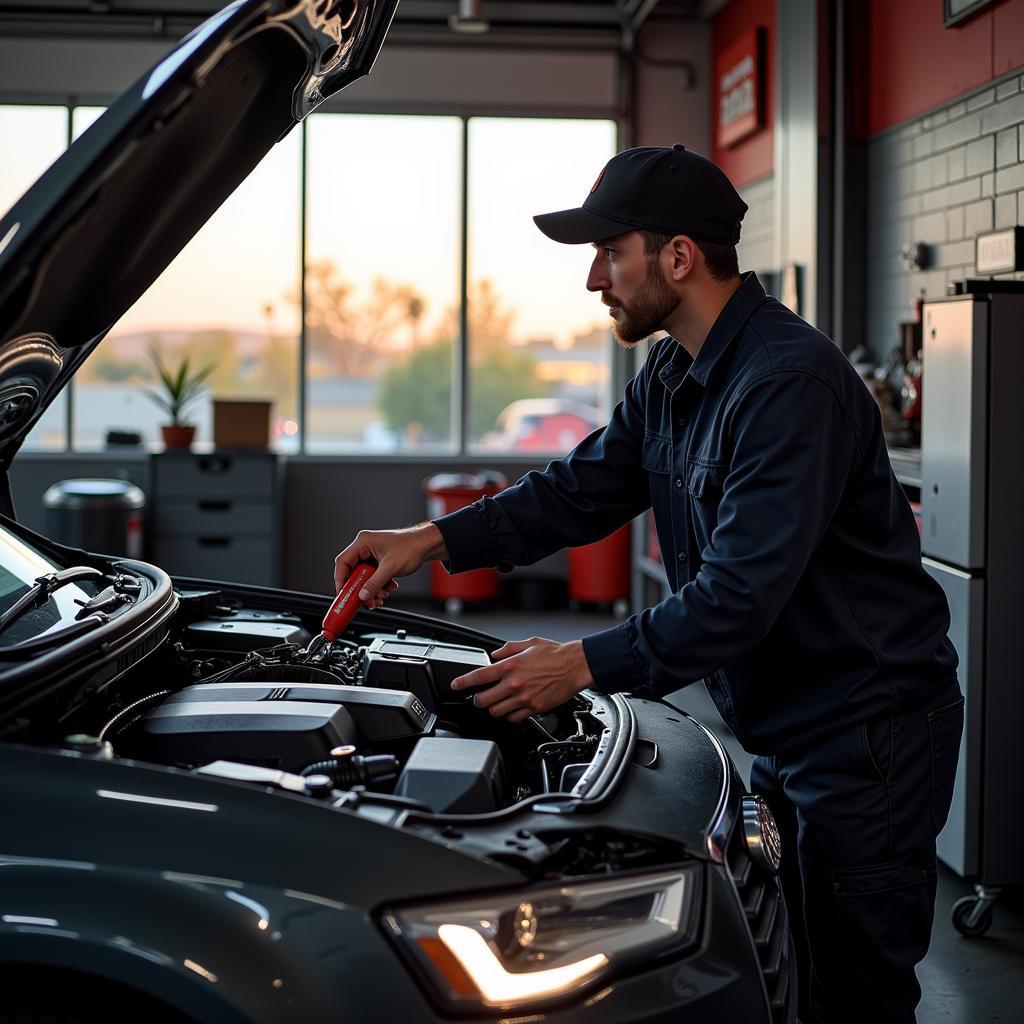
(94, 232)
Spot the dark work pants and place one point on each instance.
(859, 814)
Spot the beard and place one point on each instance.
(646, 311)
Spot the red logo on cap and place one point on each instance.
(593, 188)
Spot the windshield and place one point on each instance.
(20, 566)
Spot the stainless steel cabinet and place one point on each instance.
(953, 462)
(972, 498)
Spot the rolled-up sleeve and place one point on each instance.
(577, 499)
(793, 448)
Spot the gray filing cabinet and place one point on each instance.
(217, 515)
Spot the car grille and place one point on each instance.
(761, 898)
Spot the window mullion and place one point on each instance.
(460, 365)
(69, 394)
(303, 184)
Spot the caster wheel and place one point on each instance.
(620, 608)
(962, 910)
(453, 606)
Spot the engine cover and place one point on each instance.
(281, 734)
(379, 715)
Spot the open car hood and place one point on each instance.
(80, 247)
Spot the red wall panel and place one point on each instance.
(916, 63)
(753, 157)
(1007, 37)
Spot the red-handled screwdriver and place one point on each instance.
(342, 609)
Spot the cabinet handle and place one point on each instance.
(214, 542)
(209, 505)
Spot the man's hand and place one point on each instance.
(396, 552)
(529, 676)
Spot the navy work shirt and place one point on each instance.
(795, 563)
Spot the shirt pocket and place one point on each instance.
(704, 483)
(656, 455)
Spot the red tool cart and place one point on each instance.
(448, 492)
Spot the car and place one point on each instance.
(542, 424)
(208, 815)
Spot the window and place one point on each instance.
(539, 351)
(381, 206)
(34, 138)
(382, 275)
(229, 299)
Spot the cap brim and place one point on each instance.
(574, 227)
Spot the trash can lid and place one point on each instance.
(486, 480)
(94, 494)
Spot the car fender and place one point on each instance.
(212, 948)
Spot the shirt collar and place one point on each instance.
(723, 332)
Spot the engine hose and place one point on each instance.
(124, 712)
(345, 772)
(285, 674)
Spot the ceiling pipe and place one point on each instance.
(634, 14)
(470, 18)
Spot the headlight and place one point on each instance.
(513, 951)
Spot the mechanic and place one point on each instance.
(799, 596)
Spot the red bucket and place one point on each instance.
(599, 572)
(448, 492)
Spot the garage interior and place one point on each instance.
(386, 332)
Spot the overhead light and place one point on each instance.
(470, 18)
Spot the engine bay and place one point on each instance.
(242, 692)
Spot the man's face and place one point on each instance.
(632, 285)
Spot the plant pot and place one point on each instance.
(178, 436)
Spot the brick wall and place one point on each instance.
(940, 180)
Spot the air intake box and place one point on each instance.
(454, 776)
(424, 667)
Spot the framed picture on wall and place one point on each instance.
(955, 11)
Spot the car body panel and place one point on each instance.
(140, 888)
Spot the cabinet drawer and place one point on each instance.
(216, 475)
(214, 516)
(224, 557)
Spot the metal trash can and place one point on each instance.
(448, 492)
(104, 516)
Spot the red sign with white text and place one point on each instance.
(739, 76)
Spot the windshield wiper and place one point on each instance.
(46, 640)
(40, 592)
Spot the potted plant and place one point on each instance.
(179, 386)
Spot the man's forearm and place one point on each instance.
(435, 546)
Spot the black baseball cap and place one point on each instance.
(653, 188)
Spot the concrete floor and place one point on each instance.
(964, 981)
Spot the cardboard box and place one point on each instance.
(241, 423)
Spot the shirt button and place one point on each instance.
(679, 481)
(682, 421)
(682, 556)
